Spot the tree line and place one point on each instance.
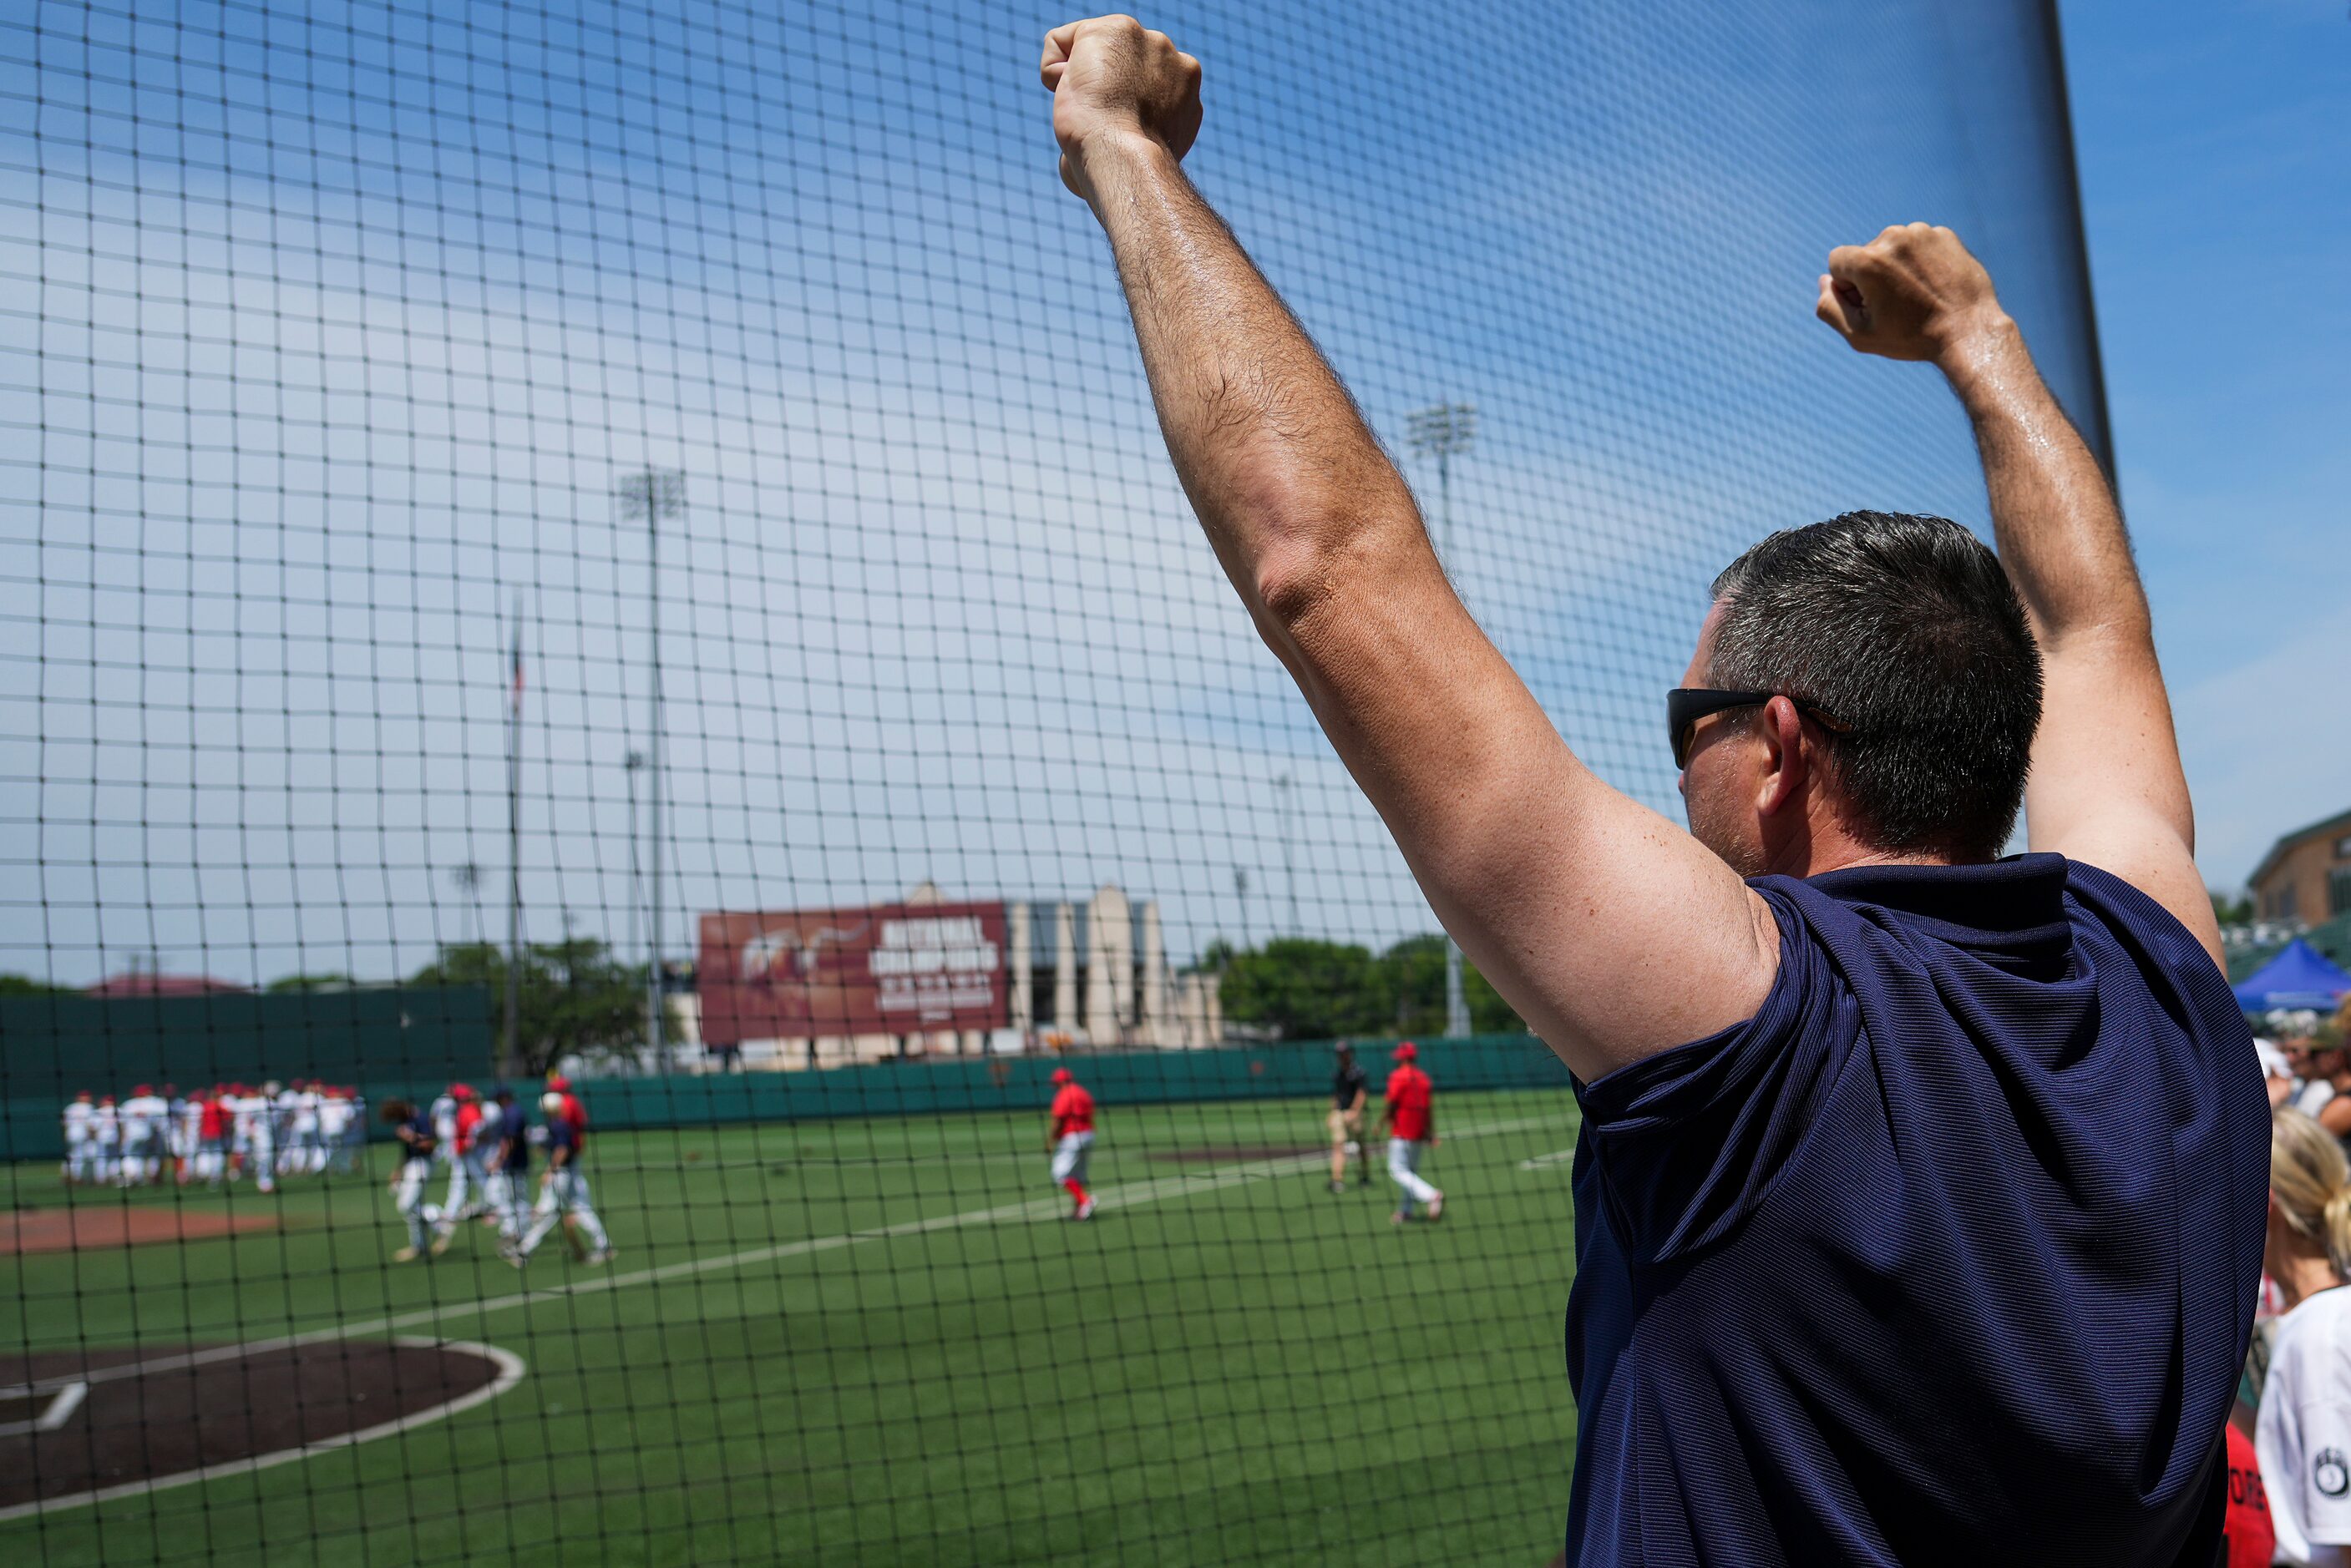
(1305, 989)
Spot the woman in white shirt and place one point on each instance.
(2303, 1432)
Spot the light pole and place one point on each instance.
(468, 878)
(512, 1063)
(1286, 785)
(634, 763)
(1240, 895)
(653, 493)
(1440, 430)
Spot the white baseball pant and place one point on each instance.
(1403, 1160)
(1071, 1156)
(565, 1191)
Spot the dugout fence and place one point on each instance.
(634, 540)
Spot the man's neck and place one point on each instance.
(1823, 853)
(1821, 843)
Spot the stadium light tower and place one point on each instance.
(1285, 784)
(633, 764)
(1442, 431)
(653, 493)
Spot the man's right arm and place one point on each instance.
(1567, 895)
(2106, 786)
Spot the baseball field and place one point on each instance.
(842, 1342)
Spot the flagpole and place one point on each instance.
(512, 1065)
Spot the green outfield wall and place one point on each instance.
(53, 1045)
(911, 1088)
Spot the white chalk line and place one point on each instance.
(510, 1372)
(1556, 1156)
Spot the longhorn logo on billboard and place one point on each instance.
(892, 969)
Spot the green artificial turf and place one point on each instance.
(874, 1343)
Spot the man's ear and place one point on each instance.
(1786, 764)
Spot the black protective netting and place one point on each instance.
(715, 422)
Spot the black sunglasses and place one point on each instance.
(1685, 705)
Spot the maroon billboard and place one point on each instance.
(892, 969)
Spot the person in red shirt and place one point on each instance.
(1071, 1139)
(213, 1124)
(2250, 1537)
(467, 1177)
(574, 1111)
(1411, 1120)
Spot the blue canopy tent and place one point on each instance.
(2299, 976)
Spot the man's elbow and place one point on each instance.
(1336, 557)
(1294, 581)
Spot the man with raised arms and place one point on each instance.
(1920, 1192)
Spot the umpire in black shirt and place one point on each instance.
(1349, 1089)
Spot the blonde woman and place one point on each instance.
(2303, 1432)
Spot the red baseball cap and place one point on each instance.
(1407, 1052)
(461, 1091)
(1063, 1075)
(557, 1082)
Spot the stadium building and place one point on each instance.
(822, 987)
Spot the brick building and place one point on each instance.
(2307, 875)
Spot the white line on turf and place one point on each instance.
(1554, 1158)
(510, 1370)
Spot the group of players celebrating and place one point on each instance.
(488, 1147)
(225, 1132)
(233, 1132)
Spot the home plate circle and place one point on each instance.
(84, 1427)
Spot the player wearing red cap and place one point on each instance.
(1071, 1139)
(574, 1111)
(1411, 1120)
(466, 1173)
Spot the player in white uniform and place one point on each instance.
(81, 1138)
(257, 1124)
(507, 1165)
(490, 1203)
(354, 1149)
(106, 1136)
(303, 1153)
(334, 1128)
(187, 1125)
(411, 1177)
(451, 1126)
(144, 1117)
(563, 1196)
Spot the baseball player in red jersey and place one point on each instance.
(1411, 1120)
(1073, 1138)
(574, 1111)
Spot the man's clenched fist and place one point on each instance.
(1912, 292)
(1113, 79)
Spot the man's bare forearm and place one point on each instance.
(1289, 482)
(2060, 534)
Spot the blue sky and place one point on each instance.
(2215, 148)
(323, 333)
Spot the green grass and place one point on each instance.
(873, 1351)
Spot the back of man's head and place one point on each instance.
(1906, 630)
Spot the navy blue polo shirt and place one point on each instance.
(1946, 1256)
